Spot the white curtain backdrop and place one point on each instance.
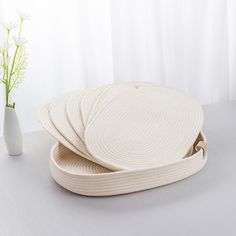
(73, 44)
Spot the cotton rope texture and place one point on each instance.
(60, 121)
(111, 92)
(80, 165)
(57, 109)
(45, 119)
(149, 126)
(89, 101)
(73, 112)
(96, 98)
(68, 171)
(46, 122)
(86, 166)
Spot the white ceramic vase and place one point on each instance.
(12, 133)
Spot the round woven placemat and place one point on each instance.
(113, 91)
(89, 101)
(60, 120)
(144, 127)
(74, 113)
(45, 119)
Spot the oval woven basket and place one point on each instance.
(84, 177)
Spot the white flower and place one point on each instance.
(23, 15)
(9, 26)
(19, 41)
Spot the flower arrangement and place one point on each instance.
(13, 57)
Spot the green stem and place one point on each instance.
(13, 62)
(7, 94)
(6, 80)
(6, 72)
(4, 69)
(18, 62)
(8, 84)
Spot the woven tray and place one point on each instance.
(84, 177)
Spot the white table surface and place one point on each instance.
(31, 203)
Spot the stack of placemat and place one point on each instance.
(124, 138)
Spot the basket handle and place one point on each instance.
(202, 145)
